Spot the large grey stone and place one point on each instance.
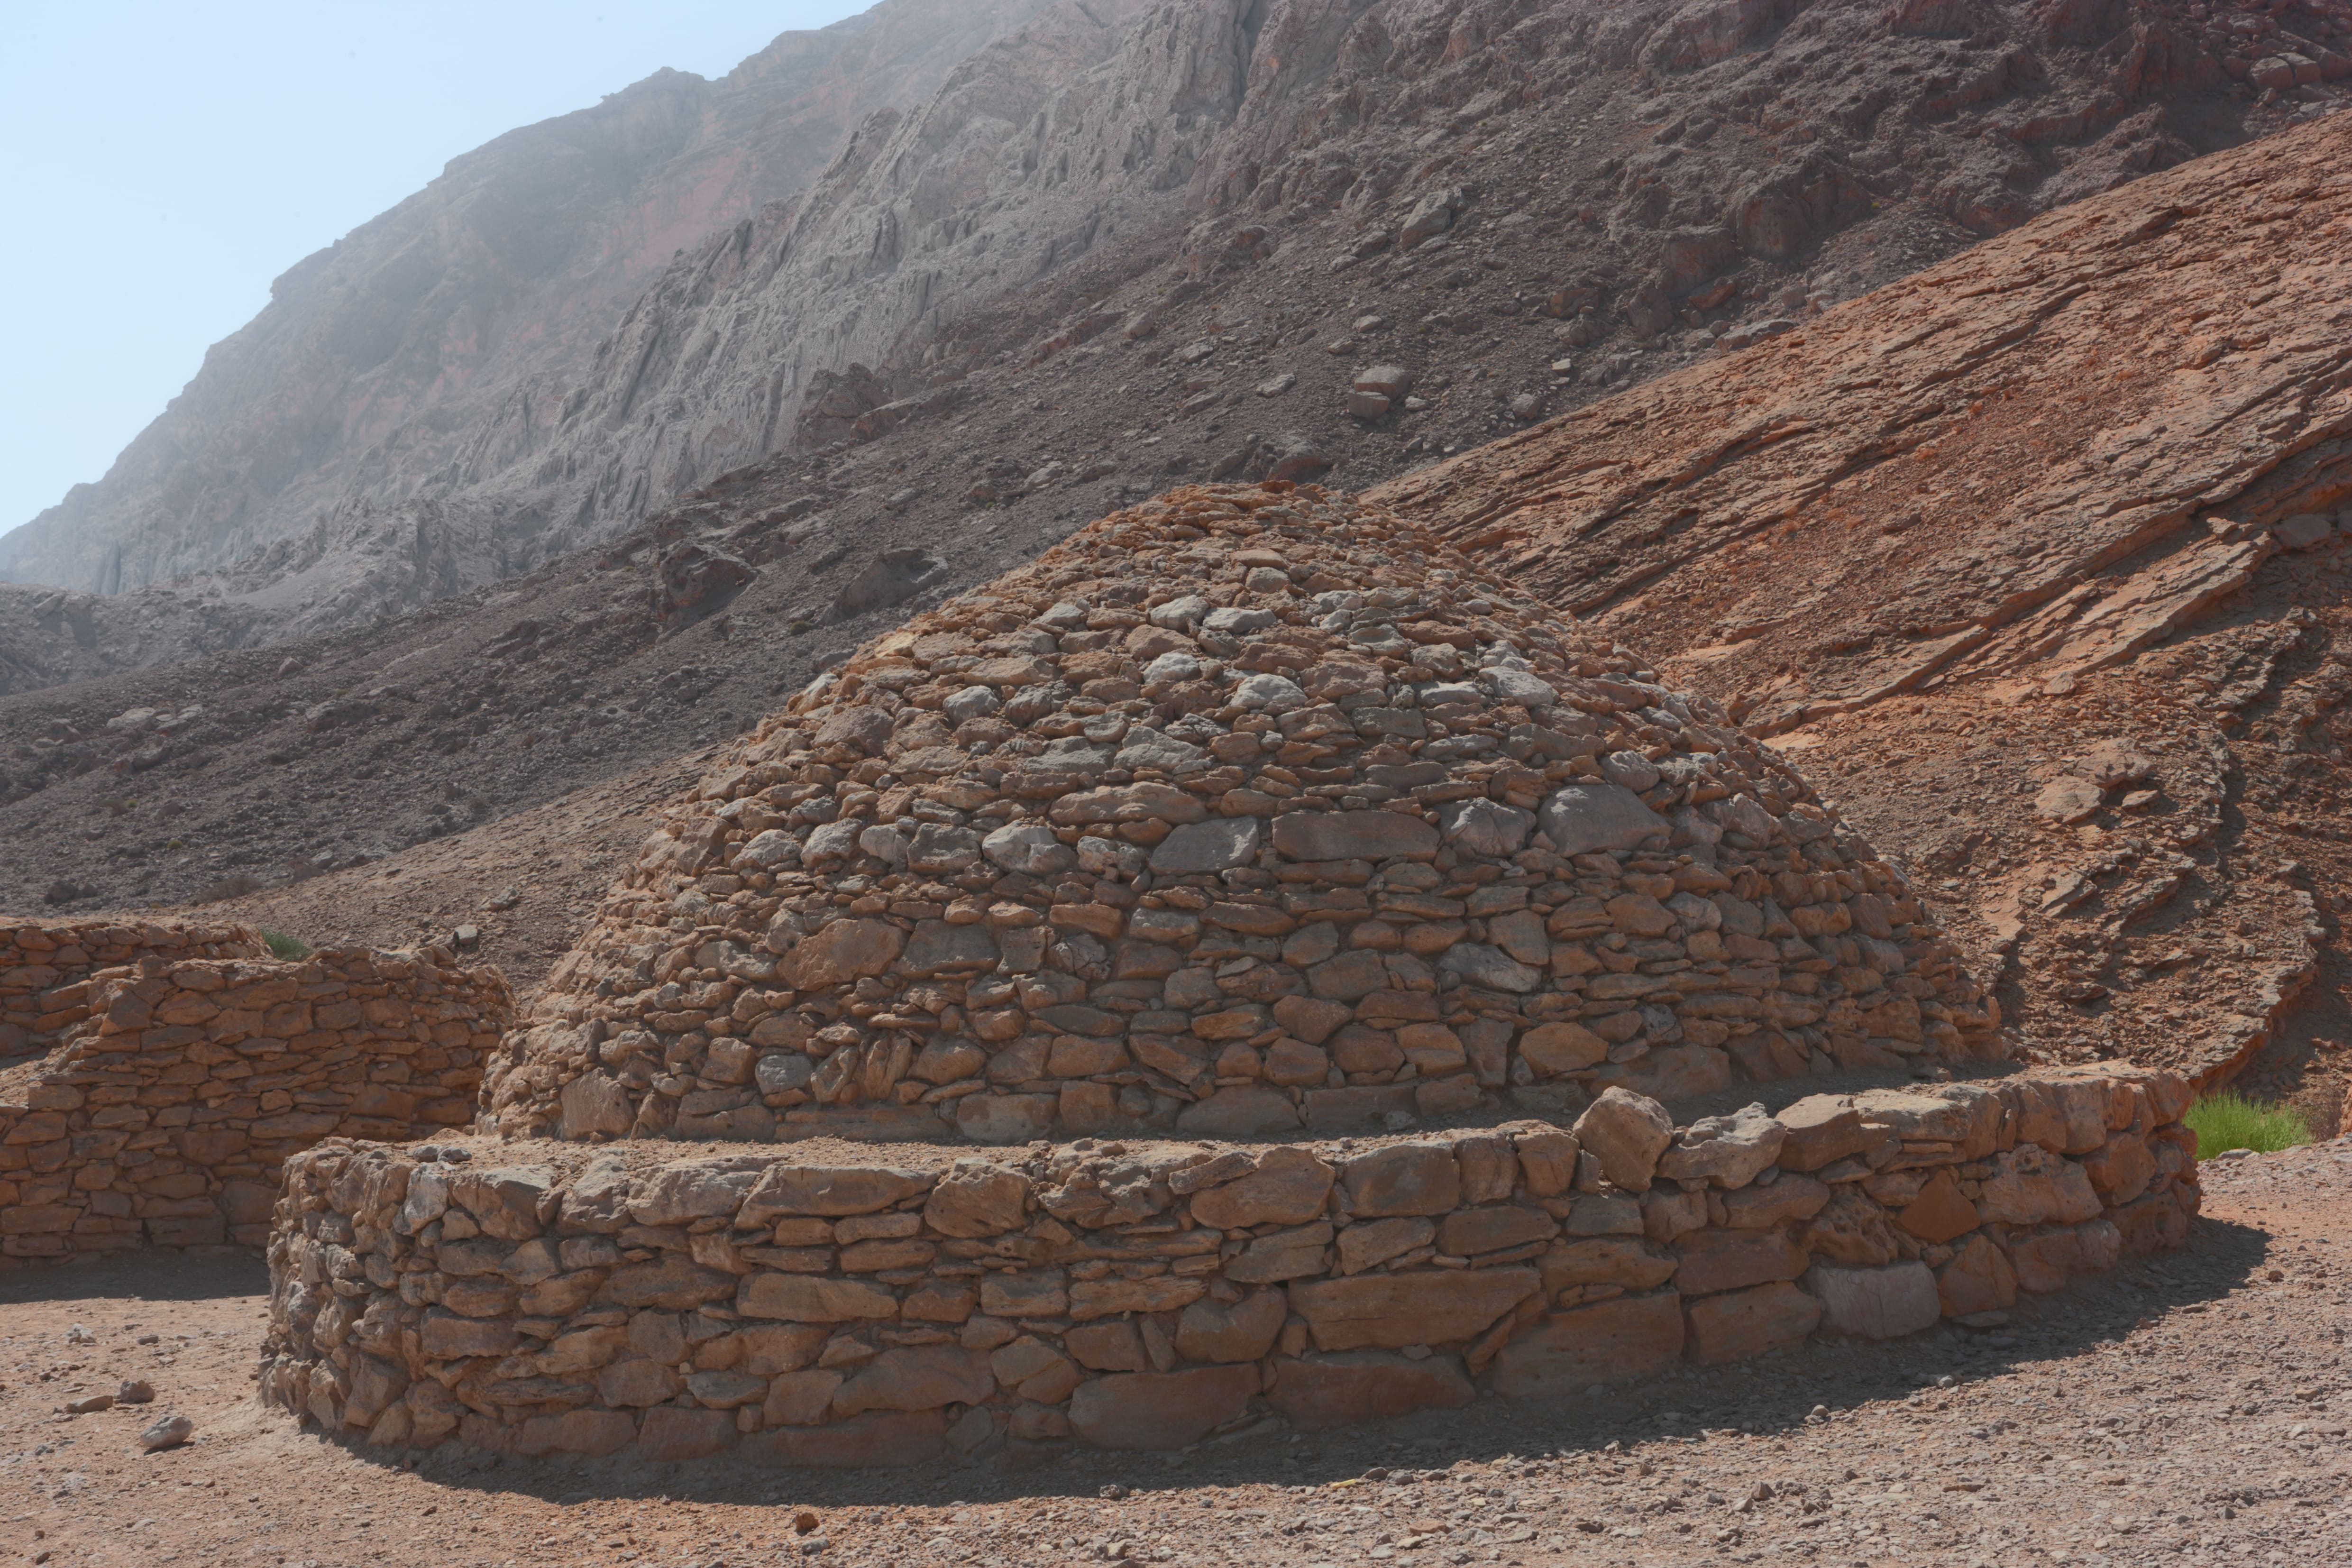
(937, 946)
(1487, 827)
(939, 850)
(1145, 747)
(1216, 844)
(1875, 1303)
(1353, 836)
(1030, 848)
(1583, 817)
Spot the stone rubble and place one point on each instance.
(164, 1115)
(1244, 811)
(552, 1298)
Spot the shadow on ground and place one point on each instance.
(161, 1277)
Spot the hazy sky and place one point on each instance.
(163, 162)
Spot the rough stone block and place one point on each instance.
(1875, 1303)
(1161, 1410)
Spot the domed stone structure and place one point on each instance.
(1246, 810)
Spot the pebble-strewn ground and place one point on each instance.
(2188, 1410)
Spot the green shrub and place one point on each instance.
(284, 946)
(2230, 1120)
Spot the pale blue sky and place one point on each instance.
(163, 162)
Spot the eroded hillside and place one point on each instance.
(2037, 559)
(1188, 230)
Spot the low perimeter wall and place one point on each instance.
(46, 965)
(545, 1297)
(167, 1115)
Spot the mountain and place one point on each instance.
(2038, 561)
(1549, 198)
(377, 358)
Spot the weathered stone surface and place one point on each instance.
(1287, 1186)
(672, 1282)
(1468, 1233)
(916, 1377)
(2029, 1186)
(785, 1190)
(1561, 1048)
(1626, 1133)
(1725, 1150)
(806, 1299)
(1875, 1303)
(1353, 836)
(842, 950)
(1582, 818)
(1402, 1179)
(1160, 1410)
(1941, 1212)
(1627, 1262)
(1323, 1391)
(1609, 1341)
(1747, 1323)
(1390, 1311)
(1240, 1112)
(1212, 845)
(1245, 1331)
(1978, 1279)
(666, 1433)
(1711, 1260)
(1822, 1128)
(974, 1198)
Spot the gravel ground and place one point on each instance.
(2190, 1409)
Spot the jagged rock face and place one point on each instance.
(378, 358)
(1628, 175)
(1245, 810)
(2037, 560)
(50, 637)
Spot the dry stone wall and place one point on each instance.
(167, 1113)
(1248, 810)
(46, 965)
(543, 1297)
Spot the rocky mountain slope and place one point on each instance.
(378, 357)
(1188, 229)
(2038, 560)
(395, 781)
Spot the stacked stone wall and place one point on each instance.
(534, 1299)
(165, 1116)
(1248, 811)
(46, 965)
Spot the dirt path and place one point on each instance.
(2192, 1409)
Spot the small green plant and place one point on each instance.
(284, 946)
(2230, 1120)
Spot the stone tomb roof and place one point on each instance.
(1248, 811)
